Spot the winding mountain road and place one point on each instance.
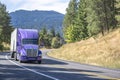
(52, 69)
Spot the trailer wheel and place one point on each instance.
(39, 62)
(15, 56)
(12, 54)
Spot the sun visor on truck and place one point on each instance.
(28, 33)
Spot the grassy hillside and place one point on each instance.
(100, 51)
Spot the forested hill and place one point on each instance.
(37, 19)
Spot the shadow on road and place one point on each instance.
(3, 53)
(51, 62)
(47, 62)
(13, 72)
(9, 71)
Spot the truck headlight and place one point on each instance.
(39, 54)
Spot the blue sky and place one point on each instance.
(56, 5)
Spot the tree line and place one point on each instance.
(86, 18)
(5, 27)
(50, 38)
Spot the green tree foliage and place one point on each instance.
(73, 33)
(56, 42)
(71, 13)
(58, 35)
(116, 13)
(90, 18)
(100, 16)
(52, 32)
(1, 46)
(5, 28)
(50, 39)
(77, 30)
(47, 41)
(116, 6)
(81, 19)
(70, 16)
(5, 24)
(44, 38)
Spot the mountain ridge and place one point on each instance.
(37, 19)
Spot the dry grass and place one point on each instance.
(6, 46)
(102, 51)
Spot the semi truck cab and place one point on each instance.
(24, 45)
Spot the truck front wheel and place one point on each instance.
(20, 61)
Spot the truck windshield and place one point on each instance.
(30, 41)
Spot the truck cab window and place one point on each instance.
(30, 41)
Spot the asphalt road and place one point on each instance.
(53, 69)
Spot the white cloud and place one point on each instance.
(56, 5)
(50, 5)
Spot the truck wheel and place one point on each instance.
(12, 54)
(20, 61)
(39, 62)
(15, 56)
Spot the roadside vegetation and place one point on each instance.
(50, 39)
(99, 51)
(92, 33)
(5, 28)
(86, 18)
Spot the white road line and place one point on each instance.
(31, 69)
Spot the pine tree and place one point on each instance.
(73, 34)
(113, 13)
(58, 35)
(70, 16)
(81, 19)
(116, 8)
(49, 39)
(56, 42)
(52, 32)
(92, 18)
(43, 36)
(6, 29)
(100, 16)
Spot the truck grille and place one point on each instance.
(32, 53)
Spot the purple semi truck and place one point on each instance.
(24, 45)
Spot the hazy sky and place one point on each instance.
(56, 5)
